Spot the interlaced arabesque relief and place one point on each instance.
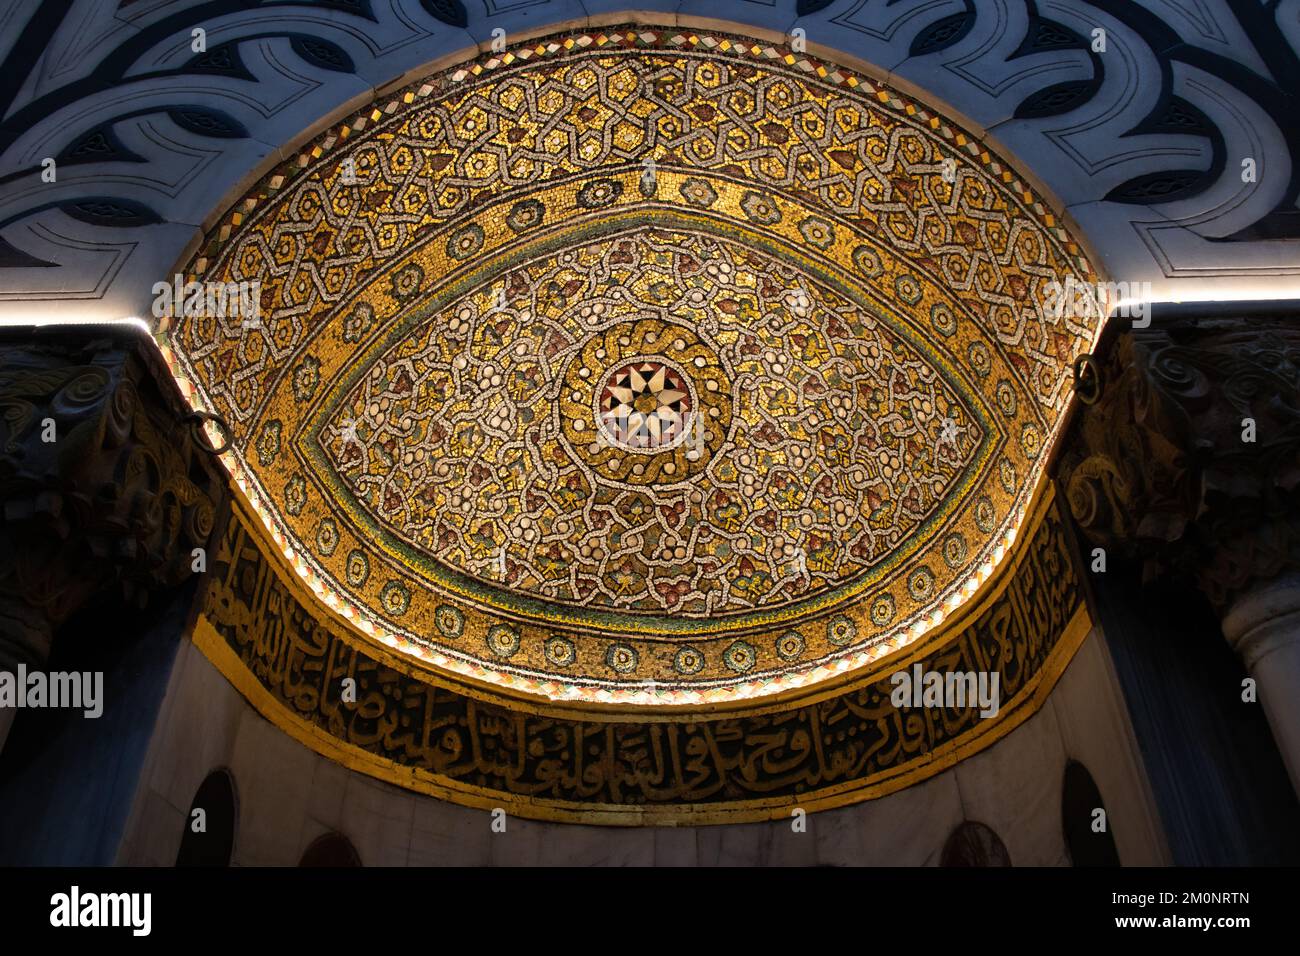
(440, 412)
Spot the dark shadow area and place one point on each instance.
(331, 849)
(1221, 789)
(67, 782)
(212, 842)
(1080, 803)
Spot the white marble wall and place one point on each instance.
(287, 796)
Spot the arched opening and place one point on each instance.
(209, 837)
(330, 849)
(974, 844)
(1084, 820)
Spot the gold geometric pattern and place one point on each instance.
(645, 406)
(843, 287)
(627, 342)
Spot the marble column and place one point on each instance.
(1190, 463)
(1263, 626)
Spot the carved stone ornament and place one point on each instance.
(105, 483)
(1191, 458)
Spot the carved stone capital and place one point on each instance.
(1162, 466)
(105, 486)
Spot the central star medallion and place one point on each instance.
(646, 406)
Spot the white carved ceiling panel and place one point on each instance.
(1148, 143)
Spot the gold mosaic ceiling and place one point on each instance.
(643, 368)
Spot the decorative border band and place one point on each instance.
(633, 766)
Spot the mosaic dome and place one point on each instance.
(640, 367)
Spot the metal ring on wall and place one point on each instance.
(1087, 395)
(196, 420)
